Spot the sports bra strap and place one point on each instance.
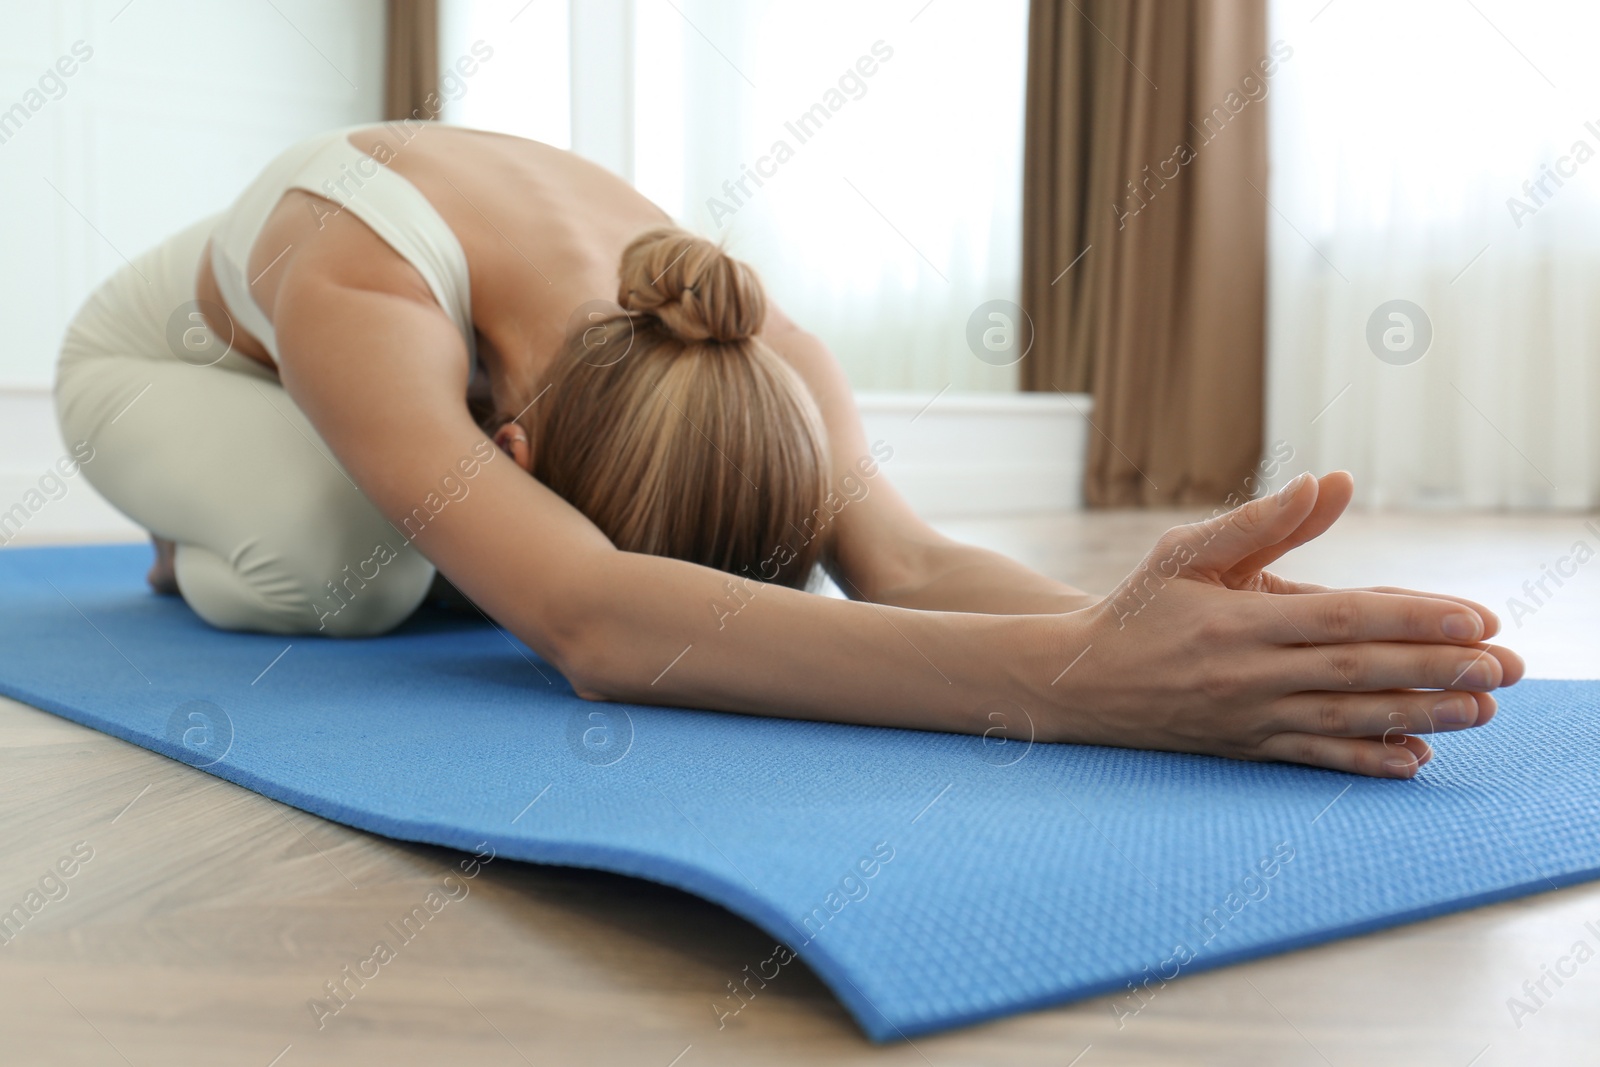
(329, 166)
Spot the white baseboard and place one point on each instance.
(958, 455)
(30, 447)
(968, 454)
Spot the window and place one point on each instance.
(1446, 155)
(866, 158)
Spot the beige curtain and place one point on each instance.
(1144, 237)
(411, 62)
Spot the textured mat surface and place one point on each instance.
(930, 880)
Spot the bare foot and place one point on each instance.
(163, 576)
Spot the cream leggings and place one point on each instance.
(201, 446)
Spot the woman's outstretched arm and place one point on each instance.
(1203, 668)
(884, 552)
(880, 549)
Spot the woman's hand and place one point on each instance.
(1200, 650)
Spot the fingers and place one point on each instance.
(1215, 546)
(1357, 615)
(1512, 666)
(1401, 758)
(1491, 621)
(1333, 496)
(1375, 667)
(1419, 748)
(1397, 747)
(1267, 582)
(1383, 715)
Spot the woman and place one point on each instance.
(381, 299)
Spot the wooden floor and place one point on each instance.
(209, 916)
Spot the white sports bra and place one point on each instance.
(329, 166)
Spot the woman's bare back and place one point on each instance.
(542, 230)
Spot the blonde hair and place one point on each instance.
(699, 442)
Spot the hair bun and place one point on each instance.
(696, 290)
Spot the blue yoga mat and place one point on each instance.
(931, 880)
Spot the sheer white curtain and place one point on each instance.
(524, 86)
(867, 158)
(1445, 154)
(887, 141)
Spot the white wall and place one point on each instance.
(178, 105)
(170, 108)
